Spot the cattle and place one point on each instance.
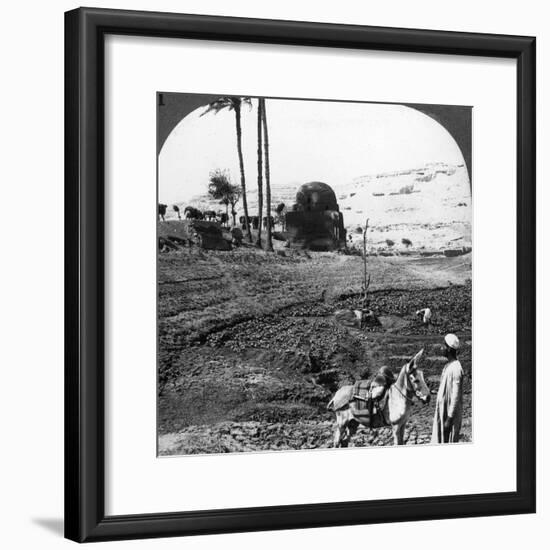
(192, 213)
(254, 222)
(177, 211)
(161, 211)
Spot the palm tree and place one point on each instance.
(220, 188)
(225, 202)
(269, 242)
(366, 280)
(235, 103)
(260, 175)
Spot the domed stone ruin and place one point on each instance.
(315, 221)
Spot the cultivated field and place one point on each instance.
(250, 351)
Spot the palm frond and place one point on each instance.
(219, 105)
(227, 102)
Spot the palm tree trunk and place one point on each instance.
(241, 167)
(260, 175)
(269, 242)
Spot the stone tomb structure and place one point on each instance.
(315, 221)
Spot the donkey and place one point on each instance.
(395, 412)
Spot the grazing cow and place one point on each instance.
(252, 220)
(192, 213)
(162, 211)
(425, 314)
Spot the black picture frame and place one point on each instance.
(85, 29)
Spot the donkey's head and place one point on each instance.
(415, 378)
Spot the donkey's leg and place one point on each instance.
(398, 434)
(349, 428)
(352, 429)
(345, 437)
(344, 420)
(337, 436)
(340, 428)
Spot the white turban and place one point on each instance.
(452, 341)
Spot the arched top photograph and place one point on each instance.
(321, 248)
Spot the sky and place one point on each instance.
(333, 142)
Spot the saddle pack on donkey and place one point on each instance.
(369, 398)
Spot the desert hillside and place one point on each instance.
(430, 206)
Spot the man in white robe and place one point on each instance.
(448, 408)
(425, 314)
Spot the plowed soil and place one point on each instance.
(250, 351)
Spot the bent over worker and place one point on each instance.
(448, 408)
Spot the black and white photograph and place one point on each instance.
(274, 275)
(314, 274)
